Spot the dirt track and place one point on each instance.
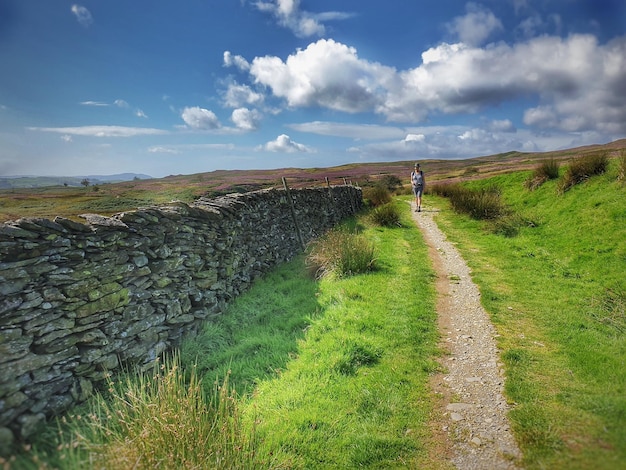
(470, 425)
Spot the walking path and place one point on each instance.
(472, 420)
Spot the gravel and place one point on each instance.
(472, 413)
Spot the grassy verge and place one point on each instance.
(556, 293)
(329, 373)
(356, 393)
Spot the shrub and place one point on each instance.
(377, 195)
(340, 252)
(547, 170)
(386, 215)
(582, 169)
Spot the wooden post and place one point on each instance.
(293, 213)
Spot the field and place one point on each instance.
(108, 199)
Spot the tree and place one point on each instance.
(85, 182)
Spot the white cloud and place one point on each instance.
(238, 95)
(236, 61)
(245, 119)
(120, 103)
(161, 149)
(82, 15)
(66, 138)
(415, 138)
(302, 23)
(501, 125)
(476, 26)
(284, 144)
(140, 113)
(580, 83)
(327, 74)
(200, 119)
(352, 131)
(94, 103)
(101, 131)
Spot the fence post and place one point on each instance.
(293, 213)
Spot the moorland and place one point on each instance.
(111, 198)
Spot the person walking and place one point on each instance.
(418, 183)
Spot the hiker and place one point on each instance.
(418, 183)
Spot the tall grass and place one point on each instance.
(480, 204)
(341, 253)
(161, 420)
(377, 195)
(583, 168)
(547, 170)
(386, 215)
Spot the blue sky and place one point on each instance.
(162, 87)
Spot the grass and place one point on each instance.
(356, 394)
(329, 373)
(555, 292)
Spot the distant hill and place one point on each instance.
(9, 182)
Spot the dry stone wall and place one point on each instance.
(78, 300)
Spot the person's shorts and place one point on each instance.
(417, 190)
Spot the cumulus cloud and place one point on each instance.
(327, 74)
(101, 131)
(284, 144)
(82, 15)
(580, 85)
(238, 95)
(235, 61)
(246, 119)
(200, 119)
(120, 103)
(302, 23)
(476, 26)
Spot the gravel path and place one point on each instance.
(472, 420)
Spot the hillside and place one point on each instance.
(110, 198)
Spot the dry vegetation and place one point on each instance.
(108, 199)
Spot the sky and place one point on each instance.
(160, 87)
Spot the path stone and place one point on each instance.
(473, 382)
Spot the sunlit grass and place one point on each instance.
(555, 291)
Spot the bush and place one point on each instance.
(340, 252)
(547, 170)
(386, 215)
(582, 169)
(377, 195)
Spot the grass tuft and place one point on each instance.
(377, 195)
(160, 420)
(583, 168)
(386, 215)
(342, 253)
(546, 171)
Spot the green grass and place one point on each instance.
(356, 393)
(556, 292)
(328, 374)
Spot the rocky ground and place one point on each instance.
(471, 423)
